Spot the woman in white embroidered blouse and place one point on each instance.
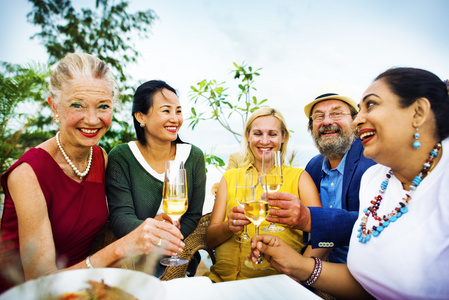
(399, 247)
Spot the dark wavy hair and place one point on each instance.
(143, 101)
(410, 84)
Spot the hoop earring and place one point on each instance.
(416, 143)
(142, 125)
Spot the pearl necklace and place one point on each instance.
(75, 169)
(365, 235)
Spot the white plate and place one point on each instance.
(140, 285)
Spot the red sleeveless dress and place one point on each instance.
(77, 211)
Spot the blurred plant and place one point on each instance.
(222, 107)
(212, 160)
(20, 85)
(291, 159)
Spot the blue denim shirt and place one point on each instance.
(330, 193)
(332, 184)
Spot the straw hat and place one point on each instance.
(329, 94)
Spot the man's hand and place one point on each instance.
(287, 209)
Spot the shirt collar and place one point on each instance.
(340, 168)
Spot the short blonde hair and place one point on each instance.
(76, 66)
(262, 112)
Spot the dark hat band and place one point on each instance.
(325, 95)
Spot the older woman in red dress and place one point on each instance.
(55, 201)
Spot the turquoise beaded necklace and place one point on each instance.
(364, 235)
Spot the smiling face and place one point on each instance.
(383, 125)
(84, 111)
(265, 134)
(333, 137)
(164, 118)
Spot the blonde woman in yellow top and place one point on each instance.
(265, 130)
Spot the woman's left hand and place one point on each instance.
(237, 219)
(281, 256)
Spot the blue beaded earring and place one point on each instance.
(416, 144)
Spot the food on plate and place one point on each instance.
(98, 291)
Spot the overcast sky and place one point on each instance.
(300, 46)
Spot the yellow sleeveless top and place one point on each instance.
(230, 255)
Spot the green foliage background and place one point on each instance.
(106, 31)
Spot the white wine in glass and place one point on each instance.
(175, 207)
(271, 178)
(244, 191)
(174, 201)
(256, 210)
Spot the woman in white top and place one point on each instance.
(399, 247)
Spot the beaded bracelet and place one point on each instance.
(315, 274)
(88, 264)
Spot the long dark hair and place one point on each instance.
(409, 84)
(143, 101)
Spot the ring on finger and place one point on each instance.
(159, 243)
(234, 222)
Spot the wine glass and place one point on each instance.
(272, 178)
(246, 180)
(174, 201)
(256, 210)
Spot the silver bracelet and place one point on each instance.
(315, 274)
(88, 264)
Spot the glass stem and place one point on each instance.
(175, 255)
(259, 258)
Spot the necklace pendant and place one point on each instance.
(364, 238)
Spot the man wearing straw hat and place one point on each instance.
(336, 171)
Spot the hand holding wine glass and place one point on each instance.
(246, 181)
(272, 178)
(174, 201)
(256, 210)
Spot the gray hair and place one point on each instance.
(80, 65)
